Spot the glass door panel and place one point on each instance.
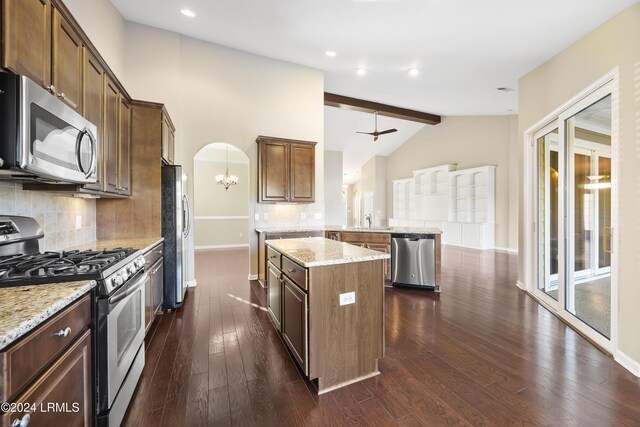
(588, 207)
(547, 212)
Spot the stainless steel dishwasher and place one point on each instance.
(413, 260)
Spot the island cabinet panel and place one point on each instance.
(346, 341)
(294, 322)
(26, 38)
(263, 248)
(377, 241)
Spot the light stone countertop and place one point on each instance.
(23, 308)
(385, 230)
(141, 243)
(318, 251)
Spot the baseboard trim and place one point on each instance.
(191, 283)
(521, 285)
(214, 247)
(508, 250)
(252, 277)
(627, 362)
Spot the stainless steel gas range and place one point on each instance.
(119, 325)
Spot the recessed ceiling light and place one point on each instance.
(414, 72)
(330, 53)
(361, 71)
(187, 12)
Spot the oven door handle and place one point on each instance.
(129, 290)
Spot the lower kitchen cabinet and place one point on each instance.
(262, 247)
(274, 297)
(294, 321)
(376, 241)
(154, 292)
(48, 375)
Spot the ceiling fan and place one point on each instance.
(375, 133)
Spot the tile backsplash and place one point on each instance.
(282, 215)
(66, 221)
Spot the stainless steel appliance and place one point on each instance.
(119, 324)
(413, 261)
(41, 137)
(175, 228)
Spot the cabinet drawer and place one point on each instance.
(296, 272)
(274, 257)
(22, 362)
(366, 237)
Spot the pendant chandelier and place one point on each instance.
(227, 180)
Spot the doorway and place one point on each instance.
(573, 216)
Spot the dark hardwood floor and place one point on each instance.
(480, 353)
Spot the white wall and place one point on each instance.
(469, 141)
(333, 194)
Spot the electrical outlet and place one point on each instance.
(239, 234)
(265, 216)
(348, 298)
(257, 217)
(303, 215)
(78, 222)
(318, 215)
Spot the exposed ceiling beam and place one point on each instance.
(364, 106)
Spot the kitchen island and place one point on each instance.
(326, 299)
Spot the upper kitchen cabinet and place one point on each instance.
(26, 38)
(286, 170)
(67, 62)
(117, 141)
(93, 108)
(168, 139)
(40, 43)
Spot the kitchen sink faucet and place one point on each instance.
(368, 218)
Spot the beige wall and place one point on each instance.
(214, 93)
(614, 44)
(373, 178)
(56, 215)
(469, 141)
(212, 203)
(333, 197)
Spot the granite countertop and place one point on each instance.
(141, 243)
(23, 308)
(386, 230)
(318, 251)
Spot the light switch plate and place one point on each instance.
(318, 215)
(303, 215)
(257, 217)
(78, 222)
(348, 298)
(265, 216)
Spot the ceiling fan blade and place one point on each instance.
(366, 133)
(387, 131)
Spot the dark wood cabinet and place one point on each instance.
(154, 292)
(124, 148)
(376, 241)
(26, 38)
(67, 62)
(168, 140)
(112, 101)
(93, 108)
(294, 321)
(263, 249)
(286, 170)
(274, 295)
(51, 365)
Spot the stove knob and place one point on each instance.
(140, 262)
(118, 280)
(131, 269)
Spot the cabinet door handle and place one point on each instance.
(62, 96)
(291, 270)
(50, 88)
(273, 257)
(21, 422)
(63, 332)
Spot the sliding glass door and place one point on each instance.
(573, 217)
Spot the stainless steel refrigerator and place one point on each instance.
(175, 228)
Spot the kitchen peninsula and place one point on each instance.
(326, 299)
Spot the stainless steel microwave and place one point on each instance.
(41, 137)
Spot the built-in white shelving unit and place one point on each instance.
(460, 202)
